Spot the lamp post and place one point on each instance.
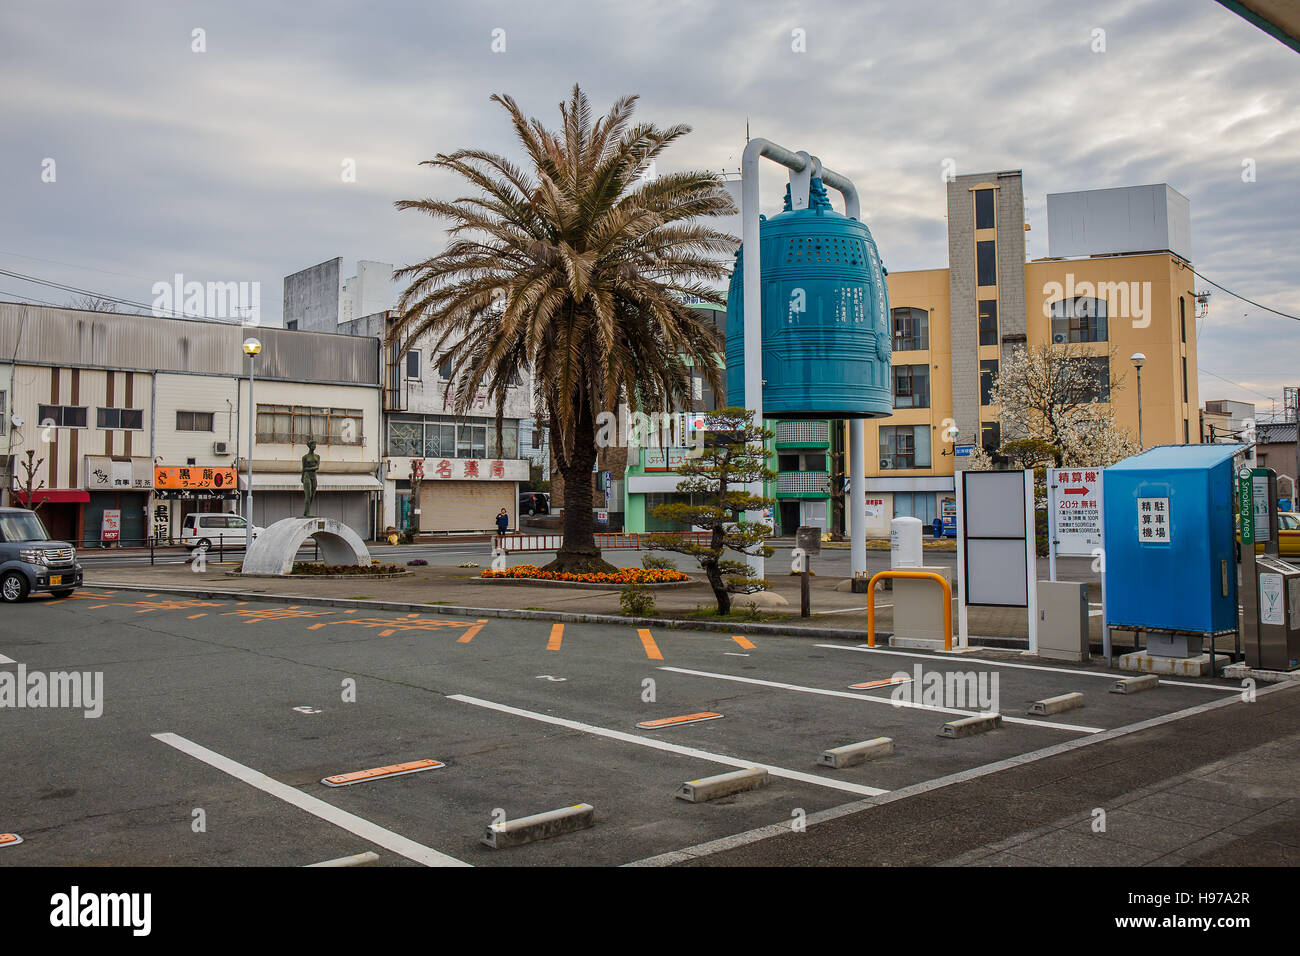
(251, 348)
(1138, 360)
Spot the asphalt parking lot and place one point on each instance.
(221, 718)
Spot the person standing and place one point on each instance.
(503, 521)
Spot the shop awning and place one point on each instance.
(284, 481)
(56, 496)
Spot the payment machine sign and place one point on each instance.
(1153, 520)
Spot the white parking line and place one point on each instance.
(318, 808)
(1108, 675)
(845, 610)
(901, 704)
(7, 660)
(673, 748)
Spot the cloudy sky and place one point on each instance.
(227, 164)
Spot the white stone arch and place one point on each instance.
(275, 549)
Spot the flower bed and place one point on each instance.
(622, 576)
(335, 570)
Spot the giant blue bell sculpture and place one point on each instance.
(826, 341)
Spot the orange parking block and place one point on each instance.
(10, 839)
(881, 683)
(678, 721)
(379, 773)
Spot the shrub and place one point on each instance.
(652, 562)
(636, 600)
(621, 576)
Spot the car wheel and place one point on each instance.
(205, 544)
(531, 511)
(66, 592)
(13, 588)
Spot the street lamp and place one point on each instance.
(251, 348)
(1138, 360)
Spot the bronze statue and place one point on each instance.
(310, 465)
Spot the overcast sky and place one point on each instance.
(226, 165)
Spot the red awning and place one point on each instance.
(57, 496)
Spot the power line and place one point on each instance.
(1235, 295)
(146, 309)
(1200, 368)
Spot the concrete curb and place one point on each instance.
(539, 826)
(969, 726)
(722, 785)
(853, 754)
(566, 617)
(1057, 705)
(1132, 685)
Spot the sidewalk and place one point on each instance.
(462, 587)
(1217, 788)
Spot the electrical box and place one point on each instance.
(1063, 620)
(1170, 560)
(1278, 644)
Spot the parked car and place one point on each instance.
(534, 503)
(1288, 535)
(206, 530)
(31, 561)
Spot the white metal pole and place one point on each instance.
(857, 497)
(1031, 561)
(963, 629)
(1052, 474)
(248, 468)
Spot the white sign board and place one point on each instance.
(1270, 599)
(1259, 484)
(875, 508)
(994, 541)
(1153, 521)
(1075, 495)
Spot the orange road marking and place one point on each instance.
(648, 642)
(151, 595)
(96, 607)
(193, 616)
(557, 636)
(378, 773)
(386, 633)
(881, 683)
(743, 642)
(676, 721)
(469, 635)
(6, 838)
(312, 627)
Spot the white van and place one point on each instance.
(206, 530)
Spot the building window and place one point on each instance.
(129, 419)
(904, 446)
(1182, 317)
(1187, 433)
(4, 414)
(413, 364)
(1184, 378)
(986, 263)
(991, 436)
(1094, 378)
(988, 378)
(988, 321)
(984, 211)
(801, 461)
(911, 386)
(444, 368)
(291, 325)
(404, 439)
(911, 330)
(439, 440)
(61, 416)
(294, 424)
(471, 441)
(194, 421)
(1081, 319)
(915, 504)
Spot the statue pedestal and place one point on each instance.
(275, 549)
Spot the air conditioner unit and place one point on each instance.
(1059, 338)
(886, 463)
(221, 448)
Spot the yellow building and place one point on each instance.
(1118, 281)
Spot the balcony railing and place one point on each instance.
(802, 482)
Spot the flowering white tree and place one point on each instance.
(1058, 395)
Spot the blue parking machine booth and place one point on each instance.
(1171, 568)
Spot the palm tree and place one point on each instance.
(577, 268)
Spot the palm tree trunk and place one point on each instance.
(578, 552)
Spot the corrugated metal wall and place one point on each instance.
(68, 337)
